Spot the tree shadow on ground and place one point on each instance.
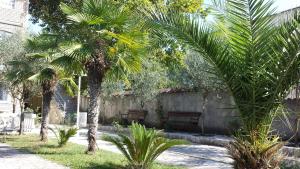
(25, 150)
(49, 146)
(15, 139)
(107, 165)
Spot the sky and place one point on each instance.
(286, 4)
(281, 5)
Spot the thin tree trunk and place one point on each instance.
(14, 106)
(22, 107)
(21, 131)
(48, 91)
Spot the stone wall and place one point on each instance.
(219, 117)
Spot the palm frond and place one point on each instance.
(69, 84)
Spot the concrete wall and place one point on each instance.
(286, 125)
(219, 116)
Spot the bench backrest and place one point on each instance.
(136, 114)
(184, 114)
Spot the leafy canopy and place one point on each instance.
(37, 66)
(50, 16)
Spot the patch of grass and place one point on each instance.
(72, 155)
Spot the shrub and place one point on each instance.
(143, 145)
(285, 165)
(262, 154)
(63, 135)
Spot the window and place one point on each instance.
(3, 93)
(8, 4)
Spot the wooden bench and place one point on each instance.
(134, 115)
(183, 120)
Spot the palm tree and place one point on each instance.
(38, 68)
(107, 41)
(258, 59)
(143, 145)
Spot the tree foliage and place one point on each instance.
(49, 15)
(11, 47)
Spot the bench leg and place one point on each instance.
(202, 125)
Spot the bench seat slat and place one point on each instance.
(183, 120)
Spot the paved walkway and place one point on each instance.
(13, 159)
(191, 156)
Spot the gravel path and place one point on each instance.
(13, 159)
(191, 156)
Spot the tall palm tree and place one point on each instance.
(258, 59)
(38, 68)
(107, 40)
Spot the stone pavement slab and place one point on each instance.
(11, 158)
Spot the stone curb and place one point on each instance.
(220, 141)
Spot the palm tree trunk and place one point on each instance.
(95, 74)
(94, 85)
(94, 92)
(48, 91)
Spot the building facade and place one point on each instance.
(13, 16)
(12, 20)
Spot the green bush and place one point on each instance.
(285, 165)
(142, 146)
(63, 135)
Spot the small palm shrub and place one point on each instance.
(258, 155)
(63, 135)
(142, 146)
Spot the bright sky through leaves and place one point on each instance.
(286, 4)
(281, 5)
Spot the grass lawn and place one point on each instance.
(72, 155)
